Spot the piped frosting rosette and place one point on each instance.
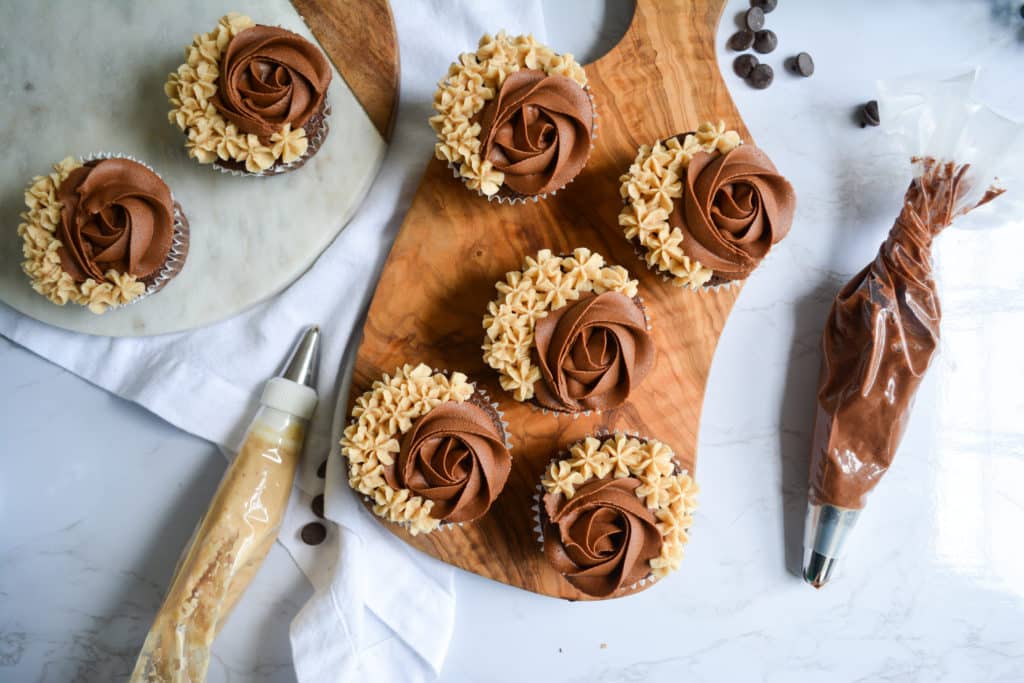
(251, 99)
(426, 448)
(703, 208)
(614, 513)
(515, 120)
(568, 333)
(101, 232)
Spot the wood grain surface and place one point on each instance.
(361, 40)
(660, 80)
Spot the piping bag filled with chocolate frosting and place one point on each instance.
(883, 328)
(238, 529)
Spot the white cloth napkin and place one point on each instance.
(381, 611)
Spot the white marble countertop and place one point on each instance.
(933, 589)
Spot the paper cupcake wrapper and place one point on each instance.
(179, 241)
(314, 143)
(538, 503)
(483, 400)
(512, 200)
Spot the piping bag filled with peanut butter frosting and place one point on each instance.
(238, 529)
(883, 328)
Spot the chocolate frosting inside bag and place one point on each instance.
(879, 339)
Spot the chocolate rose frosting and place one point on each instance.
(537, 130)
(592, 353)
(116, 215)
(603, 538)
(734, 207)
(270, 77)
(455, 456)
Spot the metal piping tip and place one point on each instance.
(818, 568)
(304, 359)
(827, 529)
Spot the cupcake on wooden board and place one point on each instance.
(427, 449)
(251, 99)
(568, 333)
(515, 120)
(614, 513)
(704, 209)
(101, 232)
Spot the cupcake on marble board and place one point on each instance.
(251, 99)
(101, 232)
(703, 209)
(515, 120)
(568, 334)
(427, 448)
(614, 513)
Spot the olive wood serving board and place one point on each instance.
(661, 79)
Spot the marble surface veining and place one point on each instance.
(933, 589)
(85, 77)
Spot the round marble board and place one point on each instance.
(250, 237)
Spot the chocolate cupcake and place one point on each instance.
(568, 333)
(514, 119)
(614, 513)
(426, 448)
(704, 209)
(251, 99)
(101, 232)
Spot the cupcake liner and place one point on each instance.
(180, 240)
(539, 513)
(513, 199)
(481, 399)
(319, 135)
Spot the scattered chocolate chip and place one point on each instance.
(741, 40)
(754, 19)
(744, 64)
(765, 41)
(802, 64)
(318, 505)
(314, 533)
(869, 114)
(322, 470)
(765, 5)
(761, 76)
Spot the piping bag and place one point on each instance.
(883, 329)
(238, 529)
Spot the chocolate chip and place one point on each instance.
(869, 114)
(318, 505)
(802, 64)
(314, 533)
(322, 470)
(761, 76)
(754, 19)
(744, 64)
(765, 41)
(741, 40)
(765, 5)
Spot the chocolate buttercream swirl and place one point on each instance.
(734, 207)
(537, 130)
(603, 538)
(456, 457)
(116, 215)
(270, 77)
(592, 353)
